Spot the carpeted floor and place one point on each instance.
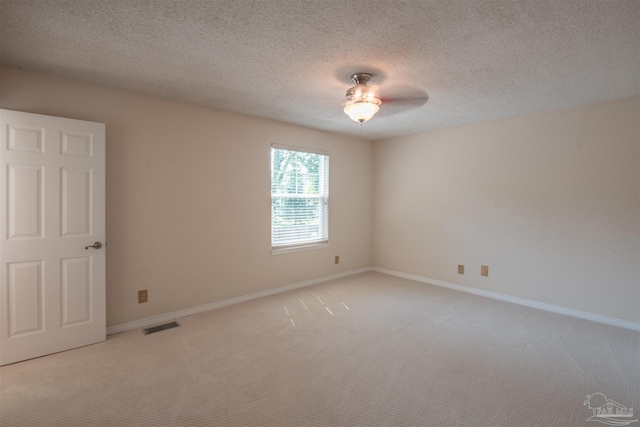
(367, 350)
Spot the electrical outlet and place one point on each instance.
(484, 270)
(143, 296)
(460, 269)
(337, 261)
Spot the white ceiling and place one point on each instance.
(290, 60)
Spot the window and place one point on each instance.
(299, 197)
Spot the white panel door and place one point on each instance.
(52, 199)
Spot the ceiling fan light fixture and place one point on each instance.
(362, 110)
(363, 101)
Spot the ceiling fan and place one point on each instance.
(363, 101)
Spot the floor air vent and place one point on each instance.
(159, 328)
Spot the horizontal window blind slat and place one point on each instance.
(300, 149)
(297, 196)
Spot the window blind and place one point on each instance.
(299, 198)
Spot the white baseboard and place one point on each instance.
(162, 318)
(150, 321)
(516, 300)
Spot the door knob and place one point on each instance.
(96, 245)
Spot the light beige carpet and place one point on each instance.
(367, 350)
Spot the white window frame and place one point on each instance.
(323, 197)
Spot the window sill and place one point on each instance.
(299, 248)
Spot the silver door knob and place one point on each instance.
(96, 245)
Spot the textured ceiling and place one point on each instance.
(290, 60)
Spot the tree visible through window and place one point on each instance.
(299, 198)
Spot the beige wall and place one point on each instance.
(550, 202)
(188, 195)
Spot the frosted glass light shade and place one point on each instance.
(361, 110)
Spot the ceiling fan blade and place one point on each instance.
(404, 96)
(402, 99)
(417, 101)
